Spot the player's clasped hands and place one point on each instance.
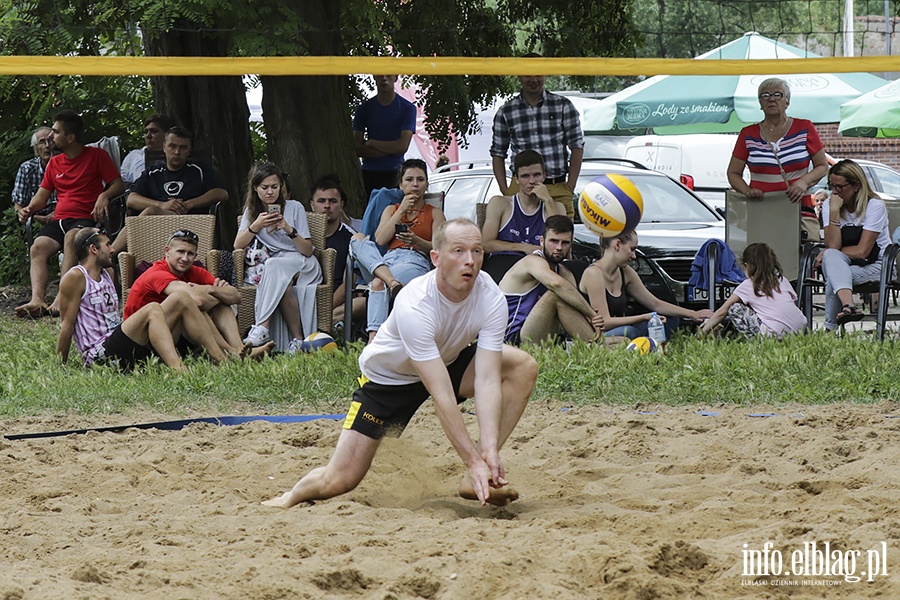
(176, 205)
(485, 475)
(597, 324)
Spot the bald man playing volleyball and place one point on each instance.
(425, 349)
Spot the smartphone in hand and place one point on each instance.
(400, 228)
(273, 209)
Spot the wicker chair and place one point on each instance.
(480, 214)
(147, 238)
(324, 291)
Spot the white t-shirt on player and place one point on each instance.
(425, 325)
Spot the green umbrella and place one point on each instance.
(876, 114)
(673, 104)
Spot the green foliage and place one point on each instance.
(258, 139)
(565, 28)
(686, 28)
(109, 105)
(706, 372)
(13, 251)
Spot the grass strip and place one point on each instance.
(810, 369)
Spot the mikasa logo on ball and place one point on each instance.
(589, 214)
(610, 205)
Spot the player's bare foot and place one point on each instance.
(260, 352)
(277, 502)
(498, 496)
(285, 501)
(34, 310)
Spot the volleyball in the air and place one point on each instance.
(642, 345)
(610, 204)
(318, 341)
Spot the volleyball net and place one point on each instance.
(345, 65)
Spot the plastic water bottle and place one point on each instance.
(656, 331)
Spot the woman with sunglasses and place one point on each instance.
(778, 151)
(278, 229)
(856, 234)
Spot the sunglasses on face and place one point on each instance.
(774, 95)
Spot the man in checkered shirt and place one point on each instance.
(31, 172)
(548, 123)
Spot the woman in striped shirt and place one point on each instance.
(778, 151)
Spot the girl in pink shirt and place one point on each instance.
(764, 303)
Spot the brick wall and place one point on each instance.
(886, 151)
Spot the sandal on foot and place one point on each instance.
(848, 314)
(395, 289)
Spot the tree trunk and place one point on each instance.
(308, 133)
(308, 120)
(214, 109)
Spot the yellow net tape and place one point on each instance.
(347, 65)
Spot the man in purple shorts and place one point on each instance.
(90, 313)
(425, 349)
(541, 294)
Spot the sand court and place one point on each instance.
(616, 502)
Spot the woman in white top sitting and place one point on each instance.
(278, 232)
(856, 234)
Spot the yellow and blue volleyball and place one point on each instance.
(318, 341)
(610, 205)
(643, 345)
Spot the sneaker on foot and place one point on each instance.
(295, 347)
(257, 336)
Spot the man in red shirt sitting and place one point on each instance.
(78, 175)
(177, 271)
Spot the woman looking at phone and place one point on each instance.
(406, 230)
(277, 231)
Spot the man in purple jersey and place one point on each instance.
(514, 224)
(541, 294)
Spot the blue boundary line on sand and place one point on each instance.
(230, 421)
(715, 413)
(179, 424)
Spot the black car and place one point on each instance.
(674, 225)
